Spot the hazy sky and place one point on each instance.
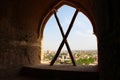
(81, 36)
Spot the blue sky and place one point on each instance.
(81, 36)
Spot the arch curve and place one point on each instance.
(73, 4)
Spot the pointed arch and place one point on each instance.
(73, 4)
(80, 6)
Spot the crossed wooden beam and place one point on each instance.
(64, 38)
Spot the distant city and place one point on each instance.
(82, 57)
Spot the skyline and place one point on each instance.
(81, 36)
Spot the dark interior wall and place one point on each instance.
(19, 45)
(108, 39)
(18, 42)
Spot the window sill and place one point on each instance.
(62, 72)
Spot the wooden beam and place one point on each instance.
(65, 37)
(66, 43)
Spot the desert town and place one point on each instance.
(82, 57)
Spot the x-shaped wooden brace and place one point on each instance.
(64, 38)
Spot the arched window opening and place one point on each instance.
(81, 40)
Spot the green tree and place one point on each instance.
(85, 61)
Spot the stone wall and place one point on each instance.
(108, 39)
(18, 35)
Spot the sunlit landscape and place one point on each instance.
(82, 57)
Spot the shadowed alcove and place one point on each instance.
(22, 23)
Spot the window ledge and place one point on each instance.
(61, 72)
(79, 68)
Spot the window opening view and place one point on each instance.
(69, 39)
